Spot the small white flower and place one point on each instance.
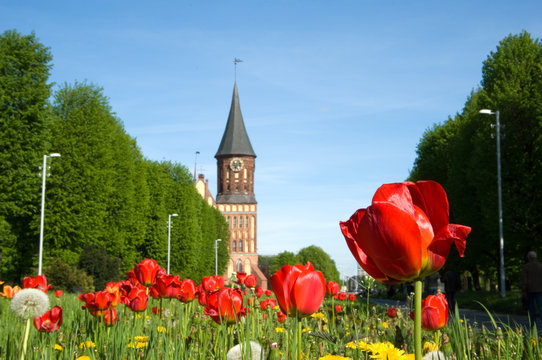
(30, 303)
(236, 352)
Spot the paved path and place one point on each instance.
(473, 317)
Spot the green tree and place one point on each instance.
(97, 193)
(321, 262)
(283, 258)
(465, 145)
(24, 90)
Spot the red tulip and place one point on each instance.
(50, 321)
(95, 302)
(146, 271)
(352, 297)
(136, 300)
(110, 316)
(268, 292)
(58, 293)
(434, 312)
(338, 308)
(37, 282)
(268, 303)
(9, 291)
(332, 288)
(211, 283)
(241, 277)
(187, 291)
(392, 312)
(281, 317)
(165, 286)
(259, 291)
(251, 280)
(226, 305)
(299, 289)
(404, 235)
(341, 295)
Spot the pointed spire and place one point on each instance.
(235, 140)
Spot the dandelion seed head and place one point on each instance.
(30, 303)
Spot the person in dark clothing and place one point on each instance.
(452, 283)
(531, 285)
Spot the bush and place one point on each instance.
(67, 277)
(100, 265)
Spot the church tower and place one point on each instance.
(235, 197)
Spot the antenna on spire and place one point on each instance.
(195, 164)
(235, 61)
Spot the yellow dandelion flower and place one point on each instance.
(334, 357)
(318, 315)
(385, 324)
(138, 316)
(353, 345)
(306, 330)
(87, 345)
(276, 307)
(429, 346)
(362, 345)
(84, 357)
(161, 329)
(58, 347)
(141, 345)
(141, 338)
(130, 345)
(279, 330)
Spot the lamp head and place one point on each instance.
(174, 215)
(54, 155)
(486, 111)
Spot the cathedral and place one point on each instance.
(235, 197)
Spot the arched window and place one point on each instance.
(240, 245)
(246, 221)
(234, 246)
(234, 221)
(239, 266)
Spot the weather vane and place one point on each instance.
(235, 61)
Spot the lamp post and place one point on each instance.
(43, 177)
(499, 185)
(216, 255)
(169, 238)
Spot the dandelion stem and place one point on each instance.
(418, 319)
(25, 339)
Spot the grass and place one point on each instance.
(492, 300)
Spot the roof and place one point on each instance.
(235, 140)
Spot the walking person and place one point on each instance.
(531, 285)
(452, 284)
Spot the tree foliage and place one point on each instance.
(461, 155)
(24, 90)
(105, 203)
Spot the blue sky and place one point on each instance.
(335, 94)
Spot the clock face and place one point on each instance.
(236, 164)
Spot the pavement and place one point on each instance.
(474, 317)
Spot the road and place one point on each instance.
(474, 317)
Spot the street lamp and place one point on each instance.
(169, 238)
(499, 185)
(44, 175)
(216, 255)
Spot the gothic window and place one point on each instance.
(246, 221)
(234, 247)
(234, 221)
(228, 220)
(240, 245)
(240, 221)
(239, 266)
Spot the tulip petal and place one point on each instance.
(309, 292)
(440, 247)
(350, 230)
(392, 238)
(397, 194)
(431, 198)
(282, 282)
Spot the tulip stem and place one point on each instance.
(418, 319)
